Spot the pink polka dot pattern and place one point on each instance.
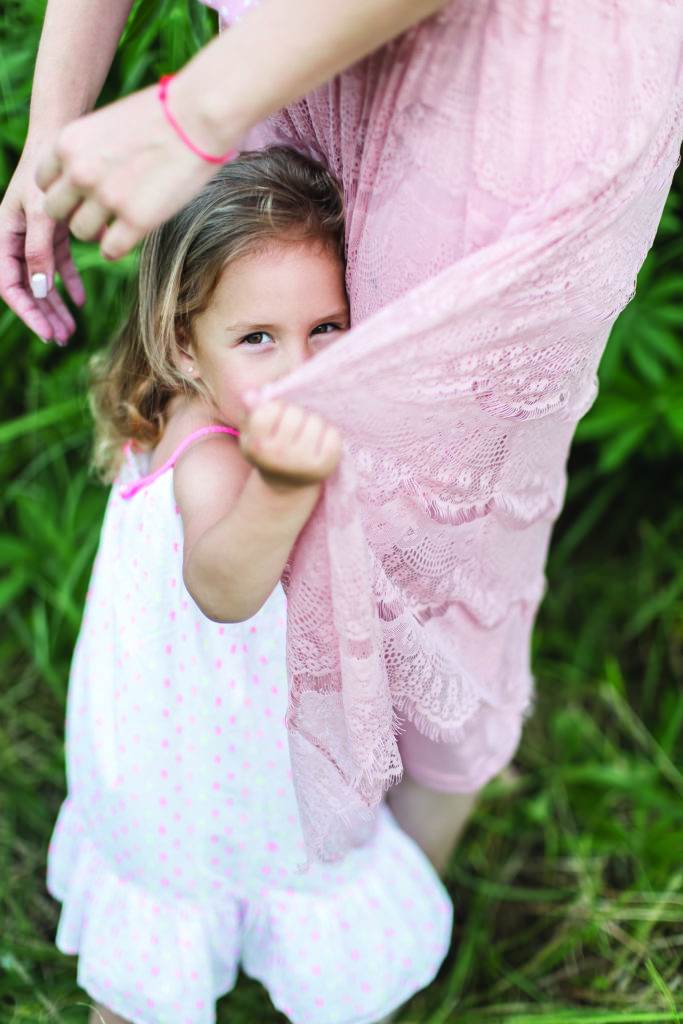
(175, 854)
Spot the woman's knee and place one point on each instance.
(491, 739)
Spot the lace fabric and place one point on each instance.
(505, 166)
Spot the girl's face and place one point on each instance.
(268, 314)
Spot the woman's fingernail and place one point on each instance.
(39, 286)
(41, 338)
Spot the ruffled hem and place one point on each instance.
(349, 954)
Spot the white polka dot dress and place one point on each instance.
(175, 852)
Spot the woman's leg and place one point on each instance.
(441, 781)
(101, 1015)
(434, 820)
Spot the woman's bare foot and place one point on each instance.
(101, 1015)
(434, 820)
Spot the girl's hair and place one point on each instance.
(263, 196)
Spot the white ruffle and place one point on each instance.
(349, 954)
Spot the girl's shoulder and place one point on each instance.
(201, 449)
(208, 476)
(185, 426)
(184, 419)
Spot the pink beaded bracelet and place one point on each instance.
(163, 99)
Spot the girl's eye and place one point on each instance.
(256, 334)
(248, 339)
(337, 327)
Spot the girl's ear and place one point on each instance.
(183, 355)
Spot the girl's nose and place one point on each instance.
(300, 353)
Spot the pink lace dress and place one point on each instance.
(504, 167)
(176, 851)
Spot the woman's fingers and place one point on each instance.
(21, 301)
(68, 188)
(57, 328)
(66, 266)
(13, 278)
(33, 249)
(64, 321)
(89, 219)
(61, 199)
(119, 238)
(40, 254)
(49, 169)
(61, 323)
(126, 158)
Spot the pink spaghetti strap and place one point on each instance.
(128, 490)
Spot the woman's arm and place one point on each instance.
(279, 51)
(77, 45)
(125, 160)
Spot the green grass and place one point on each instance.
(568, 884)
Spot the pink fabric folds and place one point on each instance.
(505, 165)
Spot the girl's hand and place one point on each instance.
(119, 172)
(289, 446)
(32, 249)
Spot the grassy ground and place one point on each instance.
(568, 884)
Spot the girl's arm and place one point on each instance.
(238, 529)
(279, 51)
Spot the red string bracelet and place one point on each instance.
(163, 99)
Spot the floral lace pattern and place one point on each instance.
(505, 165)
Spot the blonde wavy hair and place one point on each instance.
(274, 194)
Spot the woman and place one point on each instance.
(123, 163)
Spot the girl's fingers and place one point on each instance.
(264, 421)
(61, 200)
(330, 445)
(291, 424)
(322, 445)
(286, 439)
(89, 219)
(310, 433)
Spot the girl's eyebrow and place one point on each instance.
(244, 325)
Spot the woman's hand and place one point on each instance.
(119, 172)
(290, 446)
(32, 249)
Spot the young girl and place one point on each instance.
(175, 853)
